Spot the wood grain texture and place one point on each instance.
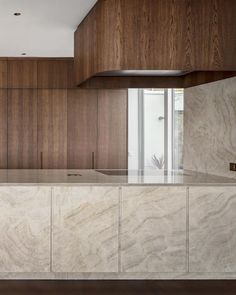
(156, 34)
(212, 238)
(52, 129)
(112, 129)
(25, 229)
(22, 129)
(55, 74)
(85, 229)
(118, 287)
(153, 229)
(22, 74)
(3, 129)
(185, 81)
(3, 74)
(82, 128)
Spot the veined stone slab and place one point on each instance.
(153, 229)
(212, 229)
(25, 229)
(85, 229)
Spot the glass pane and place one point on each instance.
(154, 128)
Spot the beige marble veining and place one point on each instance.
(85, 177)
(25, 229)
(212, 229)
(85, 229)
(153, 229)
(210, 127)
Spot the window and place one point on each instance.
(156, 129)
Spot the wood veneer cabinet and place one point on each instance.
(82, 129)
(117, 35)
(112, 150)
(97, 129)
(53, 73)
(52, 129)
(22, 73)
(3, 129)
(3, 74)
(22, 129)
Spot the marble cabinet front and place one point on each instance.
(153, 229)
(212, 229)
(25, 229)
(85, 229)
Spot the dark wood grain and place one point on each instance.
(22, 74)
(199, 78)
(52, 129)
(128, 287)
(22, 129)
(82, 128)
(133, 82)
(55, 73)
(112, 129)
(185, 81)
(186, 35)
(3, 74)
(3, 129)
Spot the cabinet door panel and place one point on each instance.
(153, 229)
(25, 229)
(3, 129)
(3, 74)
(212, 229)
(82, 128)
(52, 129)
(22, 129)
(112, 129)
(85, 229)
(22, 74)
(55, 74)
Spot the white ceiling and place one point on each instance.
(45, 28)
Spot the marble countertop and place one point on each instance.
(109, 177)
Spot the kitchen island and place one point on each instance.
(116, 224)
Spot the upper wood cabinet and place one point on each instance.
(121, 35)
(56, 73)
(82, 129)
(22, 129)
(3, 129)
(22, 74)
(52, 129)
(112, 152)
(3, 74)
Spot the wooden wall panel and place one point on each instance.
(55, 74)
(112, 129)
(82, 129)
(3, 74)
(22, 74)
(22, 129)
(3, 129)
(52, 129)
